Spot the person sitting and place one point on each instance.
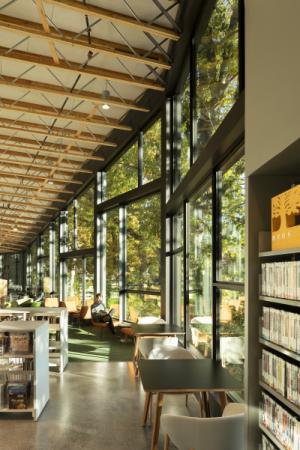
(101, 314)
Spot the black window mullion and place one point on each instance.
(215, 261)
(186, 228)
(83, 279)
(122, 260)
(193, 102)
(140, 158)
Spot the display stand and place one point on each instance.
(27, 367)
(58, 331)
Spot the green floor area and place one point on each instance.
(91, 344)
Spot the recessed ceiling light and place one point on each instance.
(105, 106)
(15, 228)
(50, 182)
(105, 95)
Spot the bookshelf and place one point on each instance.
(57, 319)
(24, 373)
(265, 183)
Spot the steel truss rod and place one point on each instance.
(115, 17)
(75, 68)
(55, 132)
(76, 94)
(116, 50)
(18, 150)
(38, 178)
(32, 143)
(41, 166)
(35, 188)
(45, 111)
(32, 205)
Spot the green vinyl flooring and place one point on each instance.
(89, 344)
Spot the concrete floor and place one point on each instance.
(93, 406)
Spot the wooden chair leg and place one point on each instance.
(166, 442)
(148, 399)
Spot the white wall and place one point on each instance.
(272, 76)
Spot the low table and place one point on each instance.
(144, 331)
(170, 376)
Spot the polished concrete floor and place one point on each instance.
(93, 406)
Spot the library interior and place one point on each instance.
(149, 243)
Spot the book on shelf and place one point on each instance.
(281, 376)
(18, 395)
(19, 343)
(266, 444)
(281, 279)
(281, 327)
(284, 426)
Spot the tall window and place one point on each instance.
(80, 280)
(112, 258)
(71, 228)
(152, 152)
(217, 71)
(122, 176)
(45, 261)
(231, 265)
(178, 269)
(143, 257)
(85, 219)
(200, 271)
(181, 132)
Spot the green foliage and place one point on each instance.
(152, 152)
(217, 70)
(85, 218)
(123, 175)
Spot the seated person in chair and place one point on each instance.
(100, 313)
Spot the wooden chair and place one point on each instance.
(80, 315)
(51, 302)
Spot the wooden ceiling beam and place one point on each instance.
(39, 198)
(67, 135)
(13, 218)
(32, 205)
(37, 178)
(77, 69)
(11, 248)
(35, 188)
(17, 232)
(92, 97)
(96, 45)
(118, 18)
(31, 211)
(41, 166)
(43, 19)
(19, 150)
(8, 222)
(36, 110)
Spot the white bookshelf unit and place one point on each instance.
(26, 367)
(280, 369)
(280, 346)
(58, 331)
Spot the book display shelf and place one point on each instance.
(273, 316)
(57, 319)
(24, 374)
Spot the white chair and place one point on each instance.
(216, 433)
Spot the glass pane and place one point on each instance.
(89, 279)
(143, 244)
(46, 242)
(123, 175)
(74, 280)
(178, 292)
(71, 230)
(33, 252)
(232, 332)
(178, 230)
(141, 305)
(217, 71)
(232, 222)
(112, 258)
(152, 153)
(182, 133)
(47, 286)
(200, 271)
(85, 219)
